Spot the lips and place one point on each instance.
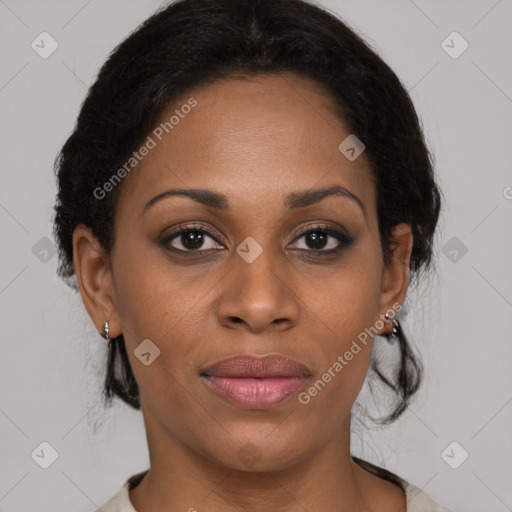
(267, 366)
(256, 382)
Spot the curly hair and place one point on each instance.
(191, 43)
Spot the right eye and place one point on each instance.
(189, 239)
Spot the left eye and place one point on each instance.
(317, 239)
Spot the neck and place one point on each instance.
(326, 478)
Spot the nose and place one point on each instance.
(257, 296)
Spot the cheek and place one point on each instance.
(346, 300)
(171, 307)
(343, 312)
(152, 295)
(156, 303)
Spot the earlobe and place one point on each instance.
(94, 278)
(395, 276)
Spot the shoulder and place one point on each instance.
(419, 501)
(120, 502)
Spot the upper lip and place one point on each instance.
(267, 366)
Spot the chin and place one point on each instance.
(261, 452)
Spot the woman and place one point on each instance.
(244, 202)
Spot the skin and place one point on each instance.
(255, 141)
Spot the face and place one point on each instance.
(262, 264)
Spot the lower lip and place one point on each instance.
(253, 393)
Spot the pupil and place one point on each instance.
(318, 240)
(192, 239)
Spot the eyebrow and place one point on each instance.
(293, 200)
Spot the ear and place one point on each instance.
(94, 276)
(395, 274)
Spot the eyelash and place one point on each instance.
(345, 240)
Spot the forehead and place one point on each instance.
(253, 139)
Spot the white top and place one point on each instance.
(417, 500)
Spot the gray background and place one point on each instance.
(460, 320)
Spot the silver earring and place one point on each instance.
(106, 331)
(395, 328)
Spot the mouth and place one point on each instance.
(256, 382)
